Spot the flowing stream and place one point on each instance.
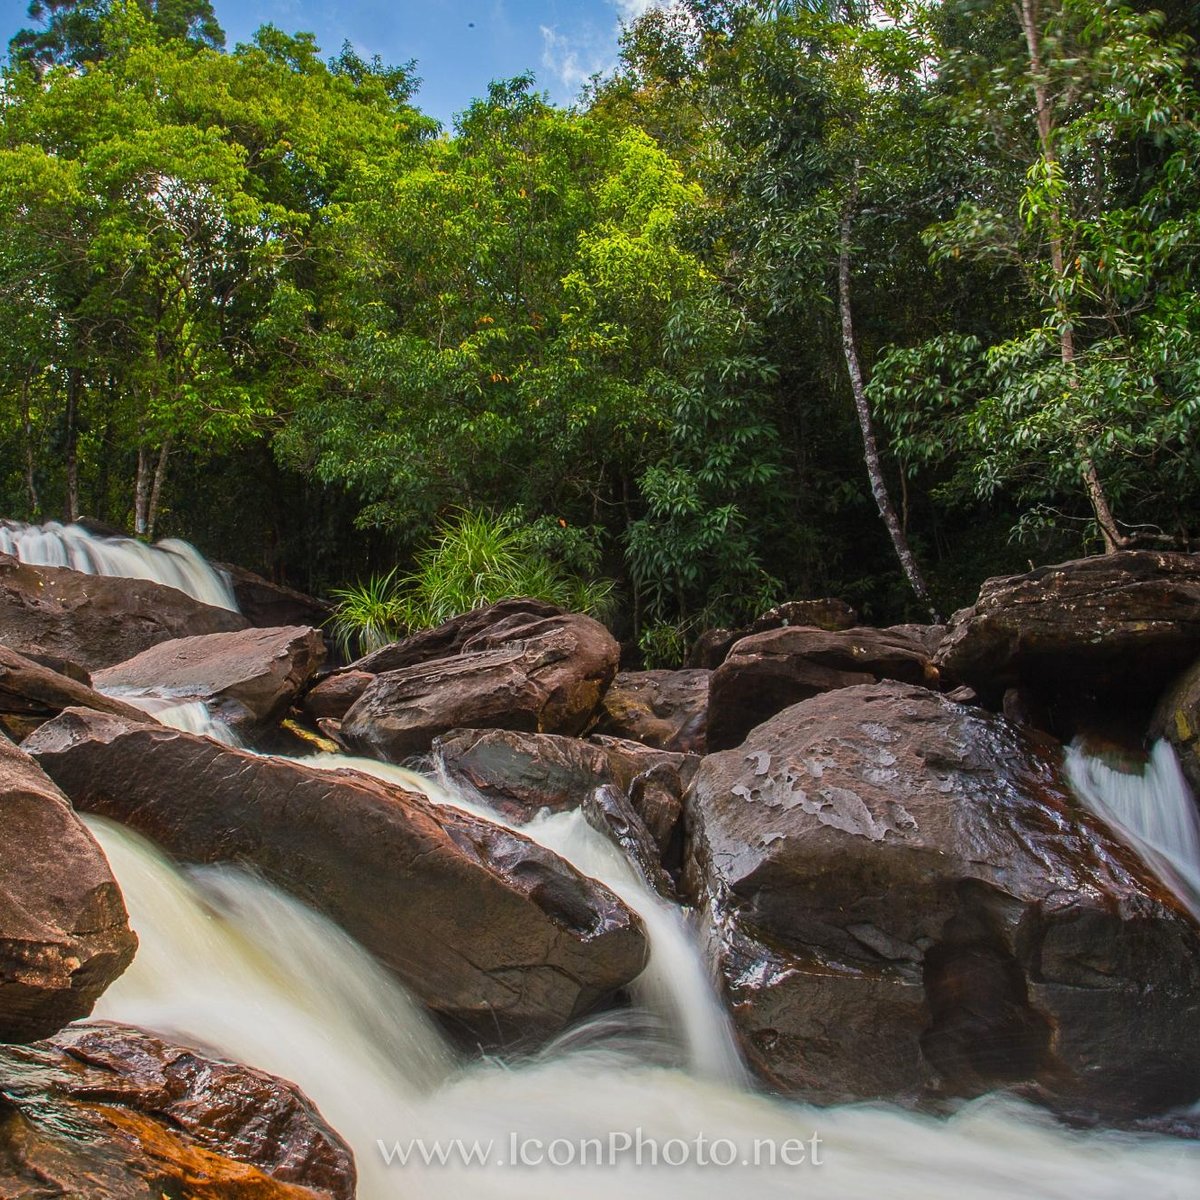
(613, 1108)
(171, 561)
(1152, 811)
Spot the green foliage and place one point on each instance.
(367, 615)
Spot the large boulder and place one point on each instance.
(524, 672)
(332, 697)
(248, 678)
(268, 605)
(31, 694)
(664, 709)
(908, 902)
(519, 774)
(96, 620)
(1082, 638)
(110, 1112)
(713, 646)
(496, 934)
(64, 932)
(769, 671)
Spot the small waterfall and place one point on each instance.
(1152, 811)
(190, 716)
(228, 963)
(171, 561)
(675, 985)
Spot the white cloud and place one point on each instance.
(630, 10)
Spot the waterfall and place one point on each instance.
(1152, 811)
(190, 716)
(229, 963)
(674, 986)
(171, 561)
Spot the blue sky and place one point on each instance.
(459, 45)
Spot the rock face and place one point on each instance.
(1178, 720)
(521, 773)
(714, 645)
(908, 902)
(332, 697)
(499, 936)
(268, 605)
(664, 709)
(96, 620)
(108, 1112)
(523, 671)
(64, 933)
(31, 694)
(1105, 632)
(248, 678)
(769, 671)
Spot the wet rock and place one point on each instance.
(499, 936)
(1082, 638)
(96, 620)
(714, 645)
(268, 605)
(769, 671)
(64, 933)
(608, 810)
(110, 1112)
(31, 694)
(907, 902)
(524, 672)
(664, 709)
(333, 696)
(248, 678)
(519, 774)
(1178, 720)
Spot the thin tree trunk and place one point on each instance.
(160, 473)
(35, 506)
(1030, 24)
(865, 422)
(141, 493)
(74, 380)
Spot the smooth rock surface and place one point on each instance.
(713, 646)
(766, 672)
(109, 1112)
(64, 932)
(96, 620)
(248, 677)
(499, 936)
(907, 902)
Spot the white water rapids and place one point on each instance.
(230, 963)
(172, 562)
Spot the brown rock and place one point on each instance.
(1178, 720)
(496, 934)
(64, 933)
(713, 646)
(767, 672)
(109, 1112)
(96, 620)
(908, 902)
(268, 605)
(520, 774)
(248, 678)
(530, 673)
(664, 709)
(1104, 633)
(333, 696)
(31, 694)
(607, 810)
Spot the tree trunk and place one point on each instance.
(160, 473)
(1030, 24)
(74, 382)
(35, 506)
(865, 422)
(141, 493)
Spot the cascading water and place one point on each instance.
(1152, 811)
(229, 963)
(190, 716)
(171, 561)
